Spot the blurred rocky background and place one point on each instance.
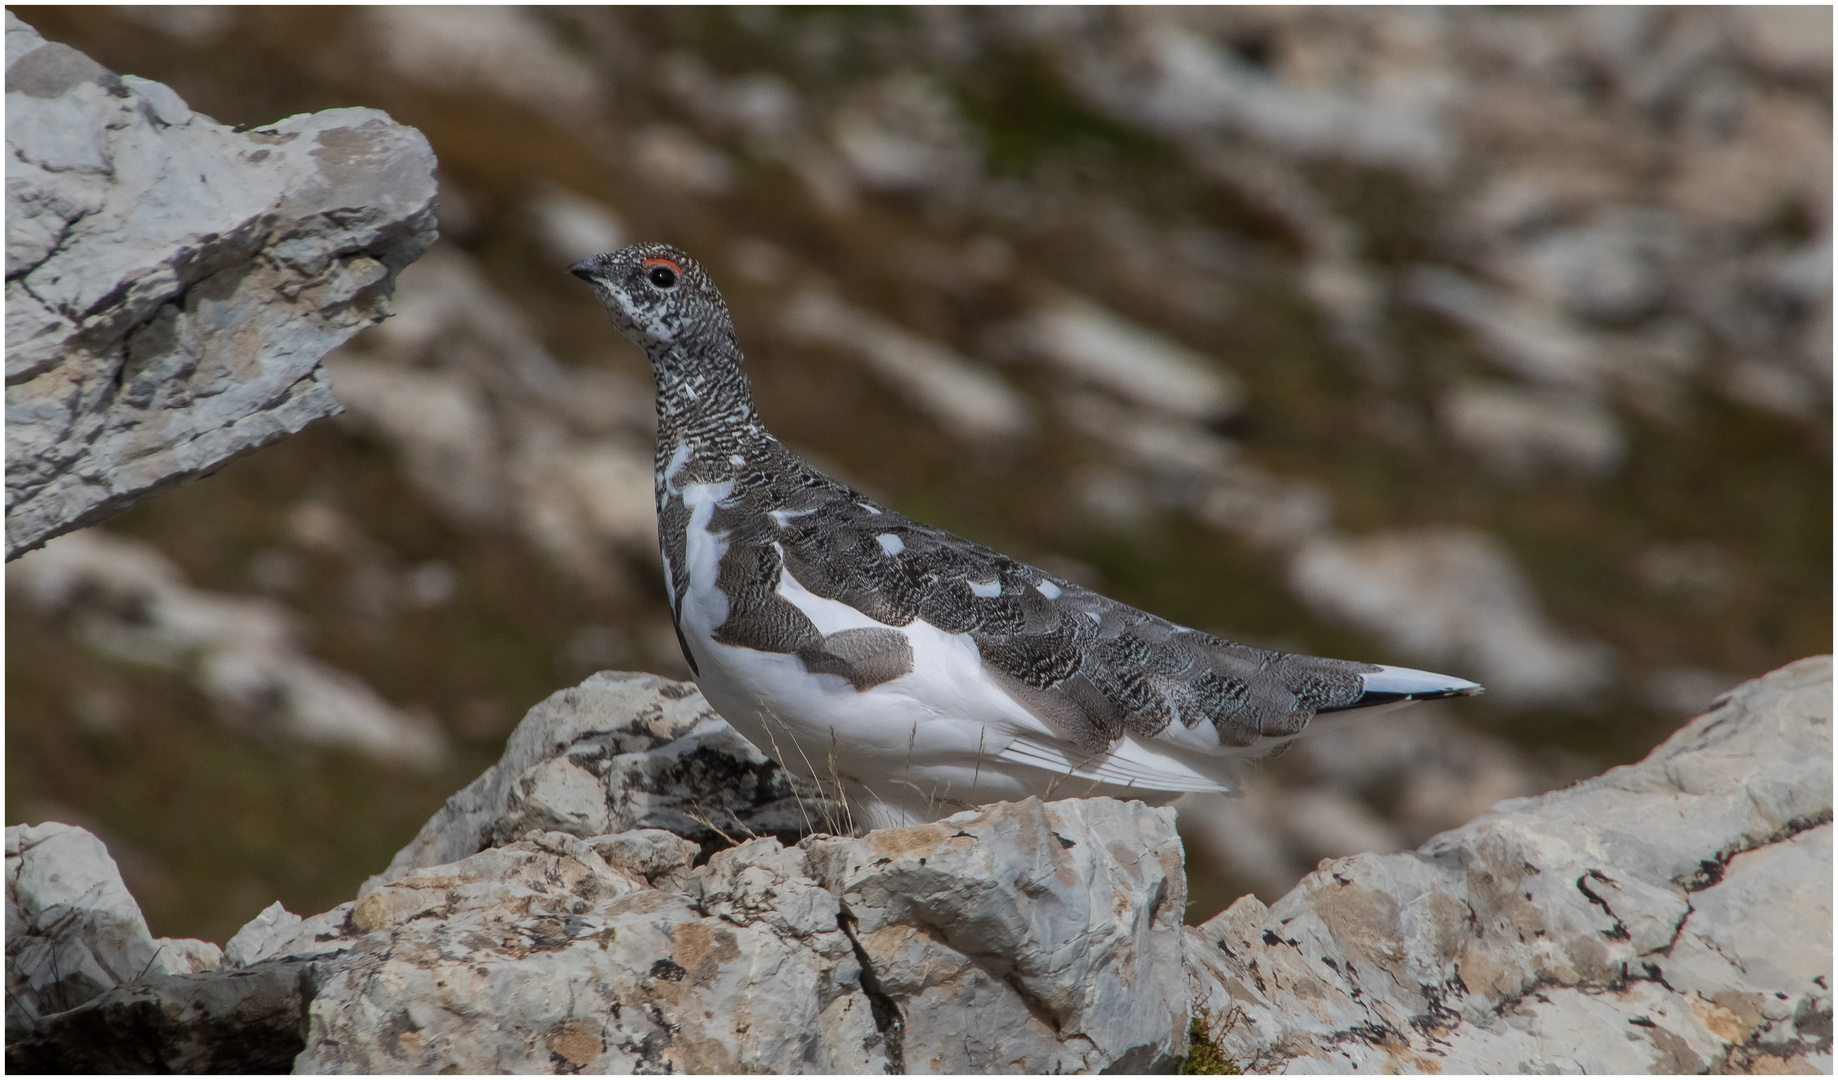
(1496, 341)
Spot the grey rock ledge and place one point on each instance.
(171, 284)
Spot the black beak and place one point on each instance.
(585, 269)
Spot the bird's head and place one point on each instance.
(664, 301)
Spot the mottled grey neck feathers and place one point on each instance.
(666, 303)
(704, 405)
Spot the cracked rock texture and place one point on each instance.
(171, 284)
(1023, 937)
(1669, 916)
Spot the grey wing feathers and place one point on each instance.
(1126, 671)
(1090, 667)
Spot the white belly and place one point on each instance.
(912, 749)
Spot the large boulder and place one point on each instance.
(171, 283)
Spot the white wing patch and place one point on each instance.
(891, 544)
(1127, 764)
(678, 458)
(1048, 590)
(986, 589)
(783, 516)
(706, 606)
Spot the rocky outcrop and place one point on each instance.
(1024, 937)
(1672, 915)
(1055, 926)
(171, 284)
(1669, 916)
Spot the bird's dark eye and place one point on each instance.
(662, 276)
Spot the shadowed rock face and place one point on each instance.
(171, 284)
(1671, 915)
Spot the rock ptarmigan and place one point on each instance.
(918, 672)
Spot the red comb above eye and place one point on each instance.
(664, 262)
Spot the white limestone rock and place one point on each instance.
(1027, 936)
(1052, 929)
(172, 284)
(1672, 915)
(579, 969)
(963, 397)
(1177, 83)
(1095, 345)
(1668, 916)
(1523, 338)
(259, 936)
(501, 52)
(1024, 937)
(906, 134)
(1520, 433)
(569, 227)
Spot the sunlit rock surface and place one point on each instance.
(1024, 937)
(1668, 916)
(171, 284)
